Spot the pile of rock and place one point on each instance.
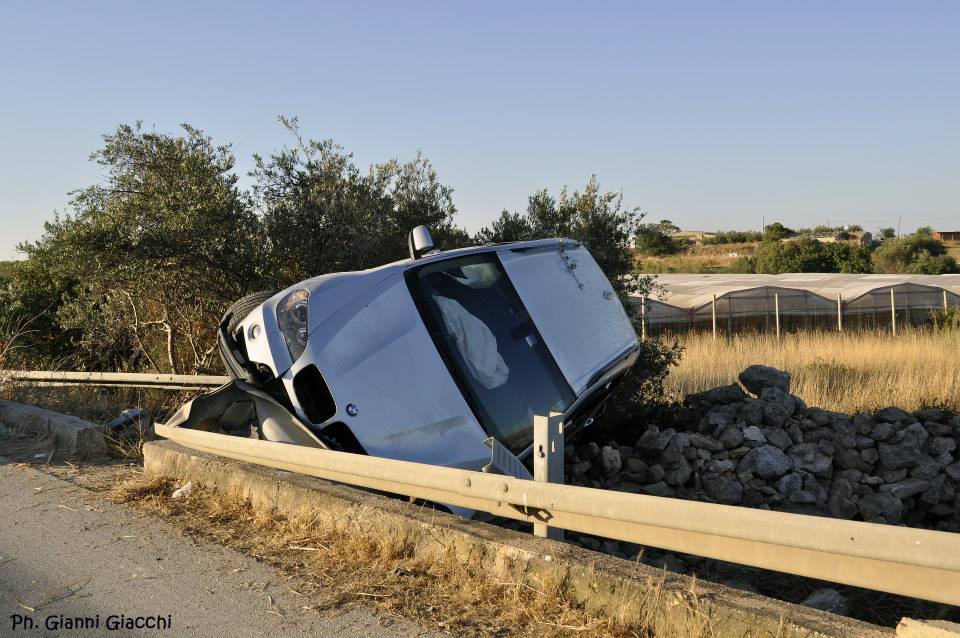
(770, 450)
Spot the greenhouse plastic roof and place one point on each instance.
(695, 290)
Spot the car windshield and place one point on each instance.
(490, 345)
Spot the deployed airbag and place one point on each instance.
(475, 342)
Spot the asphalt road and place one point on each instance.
(66, 552)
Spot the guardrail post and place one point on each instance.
(776, 312)
(839, 312)
(714, 315)
(893, 311)
(643, 318)
(548, 461)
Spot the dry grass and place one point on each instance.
(94, 403)
(338, 567)
(848, 372)
(697, 259)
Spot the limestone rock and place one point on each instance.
(610, 460)
(827, 600)
(809, 457)
(726, 490)
(757, 377)
(766, 461)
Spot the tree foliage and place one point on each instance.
(776, 231)
(138, 273)
(919, 253)
(806, 254)
(655, 240)
(602, 222)
(734, 237)
(322, 214)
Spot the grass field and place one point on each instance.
(844, 372)
(697, 259)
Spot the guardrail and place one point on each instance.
(116, 379)
(911, 562)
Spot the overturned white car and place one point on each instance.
(432, 359)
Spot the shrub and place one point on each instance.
(919, 253)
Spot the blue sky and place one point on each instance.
(713, 115)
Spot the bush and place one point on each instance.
(946, 319)
(652, 241)
(776, 231)
(810, 255)
(919, 253)
(734, 237)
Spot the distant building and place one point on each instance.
(947, 235)
(865, 237)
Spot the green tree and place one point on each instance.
(799, 255)
(602, 222)
(734, 237)
(806, 254)
(888, 233)
(667, 227)
(507, 227)
(651, 240)
(851, 258)
(31, 293)
(919, 253)
(776, 231)
(322, 214)
(150, 257)
(599, 220)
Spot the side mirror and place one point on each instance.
(420, 242)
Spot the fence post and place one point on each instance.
(893, 311)
(839, 313)
(714, 314)
(643, 318)
(548, 461)
(776, 312)
(945, 304)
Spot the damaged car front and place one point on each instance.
(435, 359)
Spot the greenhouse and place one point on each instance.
(728, 303)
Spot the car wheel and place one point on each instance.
(229, 324)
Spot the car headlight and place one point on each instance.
(292, 318)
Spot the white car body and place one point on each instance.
(395, 386)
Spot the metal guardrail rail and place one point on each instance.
(911, 562)
(116, 379)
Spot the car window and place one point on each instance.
(490, 344)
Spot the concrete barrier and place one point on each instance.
(71, 435)
(912, 628)
(609, 585)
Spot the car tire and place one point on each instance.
(244, 306)
(232, 318)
